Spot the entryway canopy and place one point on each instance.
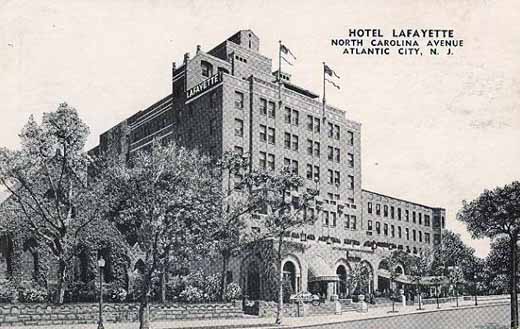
(406, 279)
(319, 270)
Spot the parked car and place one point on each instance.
(304, 296)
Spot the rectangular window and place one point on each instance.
(426, 220)
(392, 212)
(399, 232)
(353, 222)
(287, 140)
(413, 217)
(347, 222)
(310, 121)
(407, 215)
(309, 171)
(316, 173)
(350, 160)
(262, 160)
(336, 132)
(407, 230)
(378, 227)
(337, 180)
(317, 123)
(317, 149)
(427, 237)
(326, 218)
(295, 143)
(337, 155)
(287, 115)
(330, 153)
(295, 117)
(420, 218)
(378, 209)
(239, 100)
(420, 236)
(272, 110)
(350, 137)
(385, 229)
(392, 231)
(369, 207)
(294, 167)
(239, 150)
(399, 213)
(369, 225)
(330, 130)
(271, 135)
(263, 106)
(333, 218)
(270, 162)
(351, 182)
(287, 163)
(331, 176)
(263, 133)
(239, 128)
(310, 143)
(414, 235)
(385, 210)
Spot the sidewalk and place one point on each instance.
(255, 322)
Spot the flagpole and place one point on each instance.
(324, 101)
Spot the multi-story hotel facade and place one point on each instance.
(229, 99)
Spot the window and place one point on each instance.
(239, 128)
(326, 218)
(212, 127)
(317, 123)
(239, 150)
(287, 140)
(350, 160)
(333, 218)
(378, 227)
(392, 231)
(316, 173)
(350, 137)
(207, 69)
(330, 153)
(310, 121)
(295, 117)
(407, 230)
(263, 106)
(286, 163)
(337, 180)
(347, 222)
(331, 176)
(336, 132)
(310, 143)
(239, 100)
(270, 162)
(309, 172)
(414, 235)
(369, 207)
(399, 213)
(407, 215)
(385, 229)
(270, 135)
(420, 218)
(272, 110)
(337, 154)
(330, 130)
(420, 236)
(413, 217)
(287, 116)
(262, 160)
(369, 225)
(385, 210)
(317, 149)
(353, 222)
(295, 143)
(292, 165)
(378, 209)
(426, 220)
(263, 133)
(392, 212)
(399, 232)
(351, 182)
(427, 237)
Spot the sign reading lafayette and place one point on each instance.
(204, 85)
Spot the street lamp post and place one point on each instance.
(101, 265)
(475, 280)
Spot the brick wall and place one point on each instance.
(42, 314)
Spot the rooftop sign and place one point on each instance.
(213, 80)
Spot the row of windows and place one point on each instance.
(267, 134)
(416, 235)
(152, 126)
(330, 220)
(291, 141)
(267, 108)
(391, 212)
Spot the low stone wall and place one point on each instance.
(269, 309)
(43, 314)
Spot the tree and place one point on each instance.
(456, 277)
(393, 261)
(420, 267)
(359, 275)
(51, 194)
(496, 213)
(164, 199)
(285, 211)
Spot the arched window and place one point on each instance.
(207, 69)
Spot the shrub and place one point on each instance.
(191, 294)
(33, 294)
(118, 294)
(8, 292)
(212, 287)
(233, 291)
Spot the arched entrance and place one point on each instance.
(343, 290)
(289, 275)
(253, 281)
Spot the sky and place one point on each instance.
(435, 129)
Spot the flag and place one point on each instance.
(286, 50)
(330, 72)
(285, 59)
(332, 83)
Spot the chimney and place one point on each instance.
(198, 49)
(186, 58)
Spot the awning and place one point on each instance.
(402, 278)
(320, 271)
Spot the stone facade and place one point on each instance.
(43, 314)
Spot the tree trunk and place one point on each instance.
(163, 286)
(144, 312)
(223, 278)
(512, 284)
(60, 291)
(279, 308)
